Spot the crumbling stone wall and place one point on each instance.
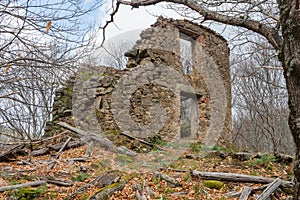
(160, 46)
(61, 108)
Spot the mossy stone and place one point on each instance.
(213, 184)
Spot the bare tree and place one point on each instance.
(112, 54)
(31, 30)
(260, 103)
(29, 105)
(41, 44)
(277, 21)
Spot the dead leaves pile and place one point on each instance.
(151, 187)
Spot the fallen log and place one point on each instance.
(137, 188)
(237, 178)
(179, 193)
(167, 178)
(101, 181)
(283, 158)
(30, 184)
(270, 189)
(10, 154)
(245, 193)
(140, 196)
(57, 147)
(125, 150)
(59, 182)
(243, 156)
(143, 141)
(106, 192)
(103, 141)
(149, 191)
(235, 194)
(25, 162)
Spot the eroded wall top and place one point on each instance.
(160, 45)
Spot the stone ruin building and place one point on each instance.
(163, 44)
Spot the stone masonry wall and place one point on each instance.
(159, 45)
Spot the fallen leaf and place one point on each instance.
(48, 27)
(6, 69)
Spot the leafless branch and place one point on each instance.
(111, 20)
(269, 33)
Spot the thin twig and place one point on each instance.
(111, 20)
(59, 152)
(143, 141)
(34, 142)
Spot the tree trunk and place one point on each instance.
(293, 85)
(290, 58)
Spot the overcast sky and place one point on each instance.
(128, 19)
(128, 23)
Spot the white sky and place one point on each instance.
(128, 19)
(128, 23)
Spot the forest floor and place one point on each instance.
(83, 183)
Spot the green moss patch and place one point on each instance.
(213, 184)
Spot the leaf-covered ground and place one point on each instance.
(83, 173)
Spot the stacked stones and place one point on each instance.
(159, 45)
(62, 108)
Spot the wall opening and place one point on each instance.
(185, 115)
(186, 54)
